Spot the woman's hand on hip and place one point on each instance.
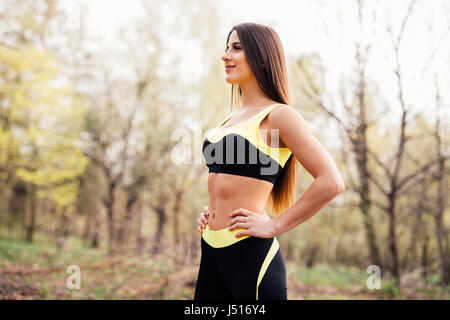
(203, 220)
(256, 224)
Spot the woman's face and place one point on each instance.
(234, 56)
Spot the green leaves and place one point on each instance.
(41, 119)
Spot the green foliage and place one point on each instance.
(20, 251)
(40, 124)
(389, 287)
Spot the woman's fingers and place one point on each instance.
(203, 215)
(200, 222)
(238, 219)
(206, 213)
(238, 225)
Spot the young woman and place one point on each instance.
(252, 159)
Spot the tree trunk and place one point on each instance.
(311, 258)
(87, 230)
(110, 201)
(410, 259)
(140, 237)
(440, 231)
(393, 242)
(176, 214)
(332, 249)
(370, 234)
(31, 215)
(124, 228)
(361, 154)
(91, 235)
(17, 206)
(95, 238)
(425, 257)
(161, 212)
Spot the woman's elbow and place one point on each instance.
(332, 184)
(340, 187)
(337, 186)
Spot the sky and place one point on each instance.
(327, 27)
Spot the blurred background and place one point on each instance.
(98, 99)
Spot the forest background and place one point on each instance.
(103, 107)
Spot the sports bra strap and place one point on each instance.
(260, 116)
(256, 119)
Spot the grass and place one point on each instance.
(346, 282)
(42, 253)
(339, 276)
(131, 278)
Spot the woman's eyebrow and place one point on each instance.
(235, 43)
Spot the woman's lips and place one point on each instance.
(228, 68)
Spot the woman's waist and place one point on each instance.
(219, 215)
(226, 189)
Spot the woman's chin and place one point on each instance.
(231, 80)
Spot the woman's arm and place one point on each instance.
(327, 184)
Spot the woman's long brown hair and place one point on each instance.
(265, 55)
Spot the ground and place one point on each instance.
(39, 270)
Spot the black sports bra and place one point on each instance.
(240, 150)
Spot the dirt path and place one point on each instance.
(13, 287)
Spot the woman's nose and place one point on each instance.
(225, 57)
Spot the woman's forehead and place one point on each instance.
(233, 36)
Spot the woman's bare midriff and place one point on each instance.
(230, 192)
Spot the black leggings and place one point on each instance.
(245, 268)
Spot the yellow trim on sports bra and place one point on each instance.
(249, 129)
(268, 109)
(221, 238)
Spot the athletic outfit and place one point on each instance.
(239, 149)
(244, 268)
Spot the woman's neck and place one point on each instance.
(253, 96)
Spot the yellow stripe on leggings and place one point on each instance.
(269, 257)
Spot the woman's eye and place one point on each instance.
(235, 48)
